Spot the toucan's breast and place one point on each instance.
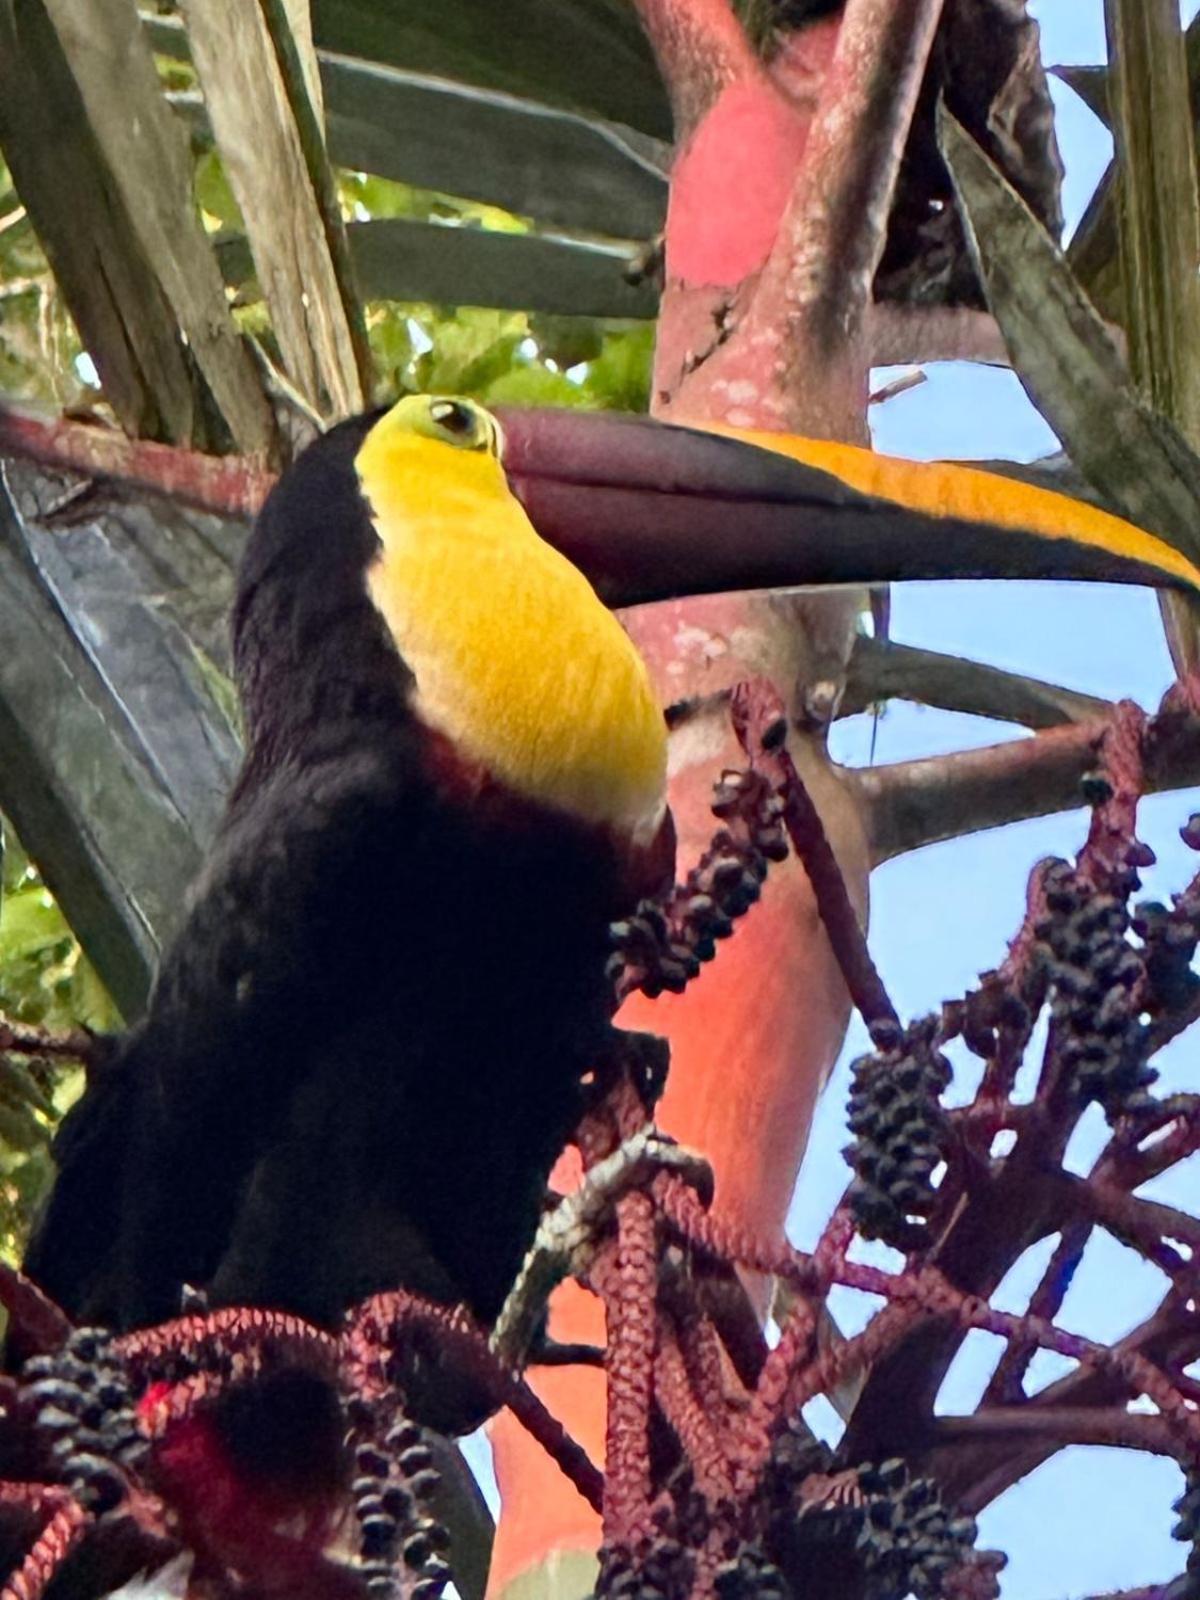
(517, 662)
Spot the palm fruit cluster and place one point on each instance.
(879, 1531)
(394, 1483)
(663, 1570)
(647, 956)
(663, 1567)
(663, 947)
(909, 1541)
(750, 1575)
(82, 1409)
(872, 1530)
(995, 1019)
(1169, 939)
(1096, 993)
(900, 1130)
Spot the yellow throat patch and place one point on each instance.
(517, 662)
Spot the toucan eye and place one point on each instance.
(462, 423)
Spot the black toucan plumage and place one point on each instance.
(364, 1049)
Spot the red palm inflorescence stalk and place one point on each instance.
(63, 1521)
(926, 1181)
(713, 1483)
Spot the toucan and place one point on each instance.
(373, 1034)
(365, 1048)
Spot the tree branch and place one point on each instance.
(230, 485)
(1007, 1381)
(914, 803)
(973, 1479)
(1059, 1426)
(700, 49)
(1165, 1137)
(882, 670)
(1150, 1226)
(24, 1039)
(1178, 1589)
(934, 333)
(311, 137)
(834, 229)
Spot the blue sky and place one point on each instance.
(1090, 1521)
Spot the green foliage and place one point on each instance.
(44, 977)
(215, 198)
(505, 357)
(619, 378)
(366, 198)
(38, 343)
(498, 357)
(45, 980)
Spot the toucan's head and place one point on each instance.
(316, 520)
(393, 574)
(429, 450)
(404, 429)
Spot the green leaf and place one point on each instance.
(619, 378)
(587, 174)
(31, 925)
(590, 55)
(213, 194)
(472, 352)
(534, 385)
(1064, 357)
(480, 267)
(18, 1087)
(391, 344)
(20, 1129)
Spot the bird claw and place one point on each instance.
(569, 1236)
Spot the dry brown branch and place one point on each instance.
(249, 101)
(880, 669)
(229, 485)
(1104, 1425)
(915, 803)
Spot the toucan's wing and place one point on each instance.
(193, 1097)
(650, 510)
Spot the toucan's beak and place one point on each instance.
(649, 511)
